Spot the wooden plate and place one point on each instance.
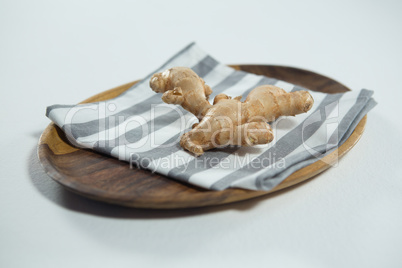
(102, 178)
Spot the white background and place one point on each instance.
(65, 51)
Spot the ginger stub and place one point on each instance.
(228, 121)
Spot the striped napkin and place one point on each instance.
(139, 128)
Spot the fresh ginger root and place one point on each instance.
(228, 121)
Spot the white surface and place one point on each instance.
(63, 52)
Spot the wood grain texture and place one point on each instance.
(106, 179)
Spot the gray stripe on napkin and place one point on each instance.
(172, 145)
(348, 119)
(205, 66)
(370, 105)
(134, 135)
(229, 81)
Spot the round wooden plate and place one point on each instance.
(102, 178)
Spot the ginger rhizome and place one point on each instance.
(228, 121)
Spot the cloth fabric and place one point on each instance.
(139, 128)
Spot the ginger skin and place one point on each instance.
(228, 121)
(184, 87)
